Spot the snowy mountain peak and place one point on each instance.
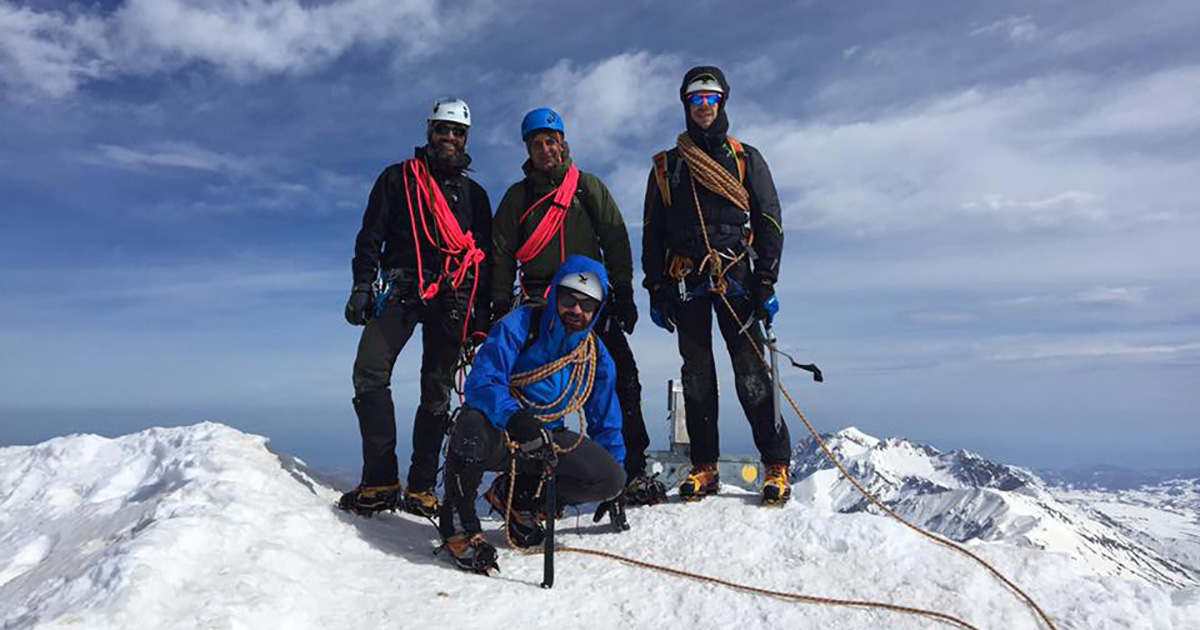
(853, 434)
(903, 463)
(964, 496)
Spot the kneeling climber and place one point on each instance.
(539, 365)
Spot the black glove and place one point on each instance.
(615, 509)
(500, 308)
(762, 295)
(523, 427)
(360, 308)
(624, 309)
(662, 307)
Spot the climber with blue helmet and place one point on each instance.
(554, 212)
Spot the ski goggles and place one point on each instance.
(568, 298)
(450, 129)
(704, 99)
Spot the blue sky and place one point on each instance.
(991, 208)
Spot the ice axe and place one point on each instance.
(548, 542)
(542, 450)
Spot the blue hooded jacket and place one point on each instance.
(501, 356)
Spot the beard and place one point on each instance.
(446, 156)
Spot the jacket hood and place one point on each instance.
(714, 136)
(551, 326)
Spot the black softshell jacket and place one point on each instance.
(676, 229)
(386, 238)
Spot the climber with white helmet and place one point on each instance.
(418, 259)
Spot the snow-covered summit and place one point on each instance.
(964, 496)
(206, 527)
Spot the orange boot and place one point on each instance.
(777, 488)
(703, 480)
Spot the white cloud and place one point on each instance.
(1056, 209)
(1019, 29)
(1112, 296)
(610, 102)
(1095, 350)
(1021, 156)
(53, 52)
(1097, 296)
(175, 155)
(50, 51)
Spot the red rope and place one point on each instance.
(461, 255)
(553, 223)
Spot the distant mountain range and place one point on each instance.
(1110, 477)
(965, 497)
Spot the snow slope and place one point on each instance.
(1164, 516)
(965, 497)
(206, 527)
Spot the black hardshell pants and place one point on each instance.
(629, 394)
(586, 474)
(693, 320)
(382, 340)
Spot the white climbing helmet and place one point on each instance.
(704, 83)
(450, 109)
(585, 282)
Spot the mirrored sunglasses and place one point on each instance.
(704, 99)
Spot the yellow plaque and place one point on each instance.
(749, 473)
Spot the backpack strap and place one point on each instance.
(739, 154)
(660, 176)
(535, 322)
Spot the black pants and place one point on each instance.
(629, 394)
(382, 340)
(751, 379)
(585, 475)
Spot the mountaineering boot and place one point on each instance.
(471, 552)
(423, 503)
(703, 480)
(645, 490)
(370, 500)
(777, 488)
(523, 523)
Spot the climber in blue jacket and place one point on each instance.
(540, 367)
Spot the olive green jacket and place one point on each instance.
(594, 228)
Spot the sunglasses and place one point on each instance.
(447, 129)
(568, 298)
(704, 99)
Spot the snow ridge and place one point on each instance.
(206, 527)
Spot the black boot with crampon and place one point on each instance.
(643, 489)
(525, 520)
(471, 553)
(371, 500)
(463, 539)
(423, 503)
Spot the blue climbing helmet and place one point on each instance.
(539, 119)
